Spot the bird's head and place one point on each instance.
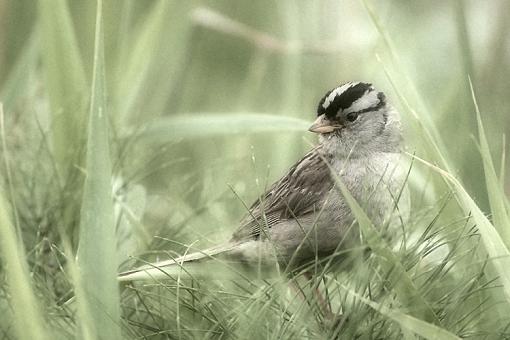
(355, 115)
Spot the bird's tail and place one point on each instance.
(172, 267)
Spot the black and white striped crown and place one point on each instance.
(355, 96)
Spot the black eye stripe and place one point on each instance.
(371, 108)
(351, 117)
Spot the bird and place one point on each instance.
(304, 215)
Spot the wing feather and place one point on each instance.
(297, 194)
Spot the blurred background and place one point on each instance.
(208, 102)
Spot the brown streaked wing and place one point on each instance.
(296, 194)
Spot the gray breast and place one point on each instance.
(375, 182)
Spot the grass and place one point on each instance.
(144, 129)
(99, 309)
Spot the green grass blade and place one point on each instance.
(497, 198)
(28, 320)
(399, 280)
(134, 66)
(97, 245)
(212, 124)
(425, 124)
(406, 322)
(499, 256)
(66, 82)
(158, 91)
(502, 163)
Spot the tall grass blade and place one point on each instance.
(497, 197)
(65, 79)
(499, 256)
(97, 245)
(134, 73)
(400, 281)
(28, 320)
(502, 163)
(434, 142)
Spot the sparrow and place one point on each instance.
(304, 214)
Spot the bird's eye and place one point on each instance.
(351, 117)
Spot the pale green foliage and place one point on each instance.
(64, 77)
(28, 320)
(166, 122)
(98, 293)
